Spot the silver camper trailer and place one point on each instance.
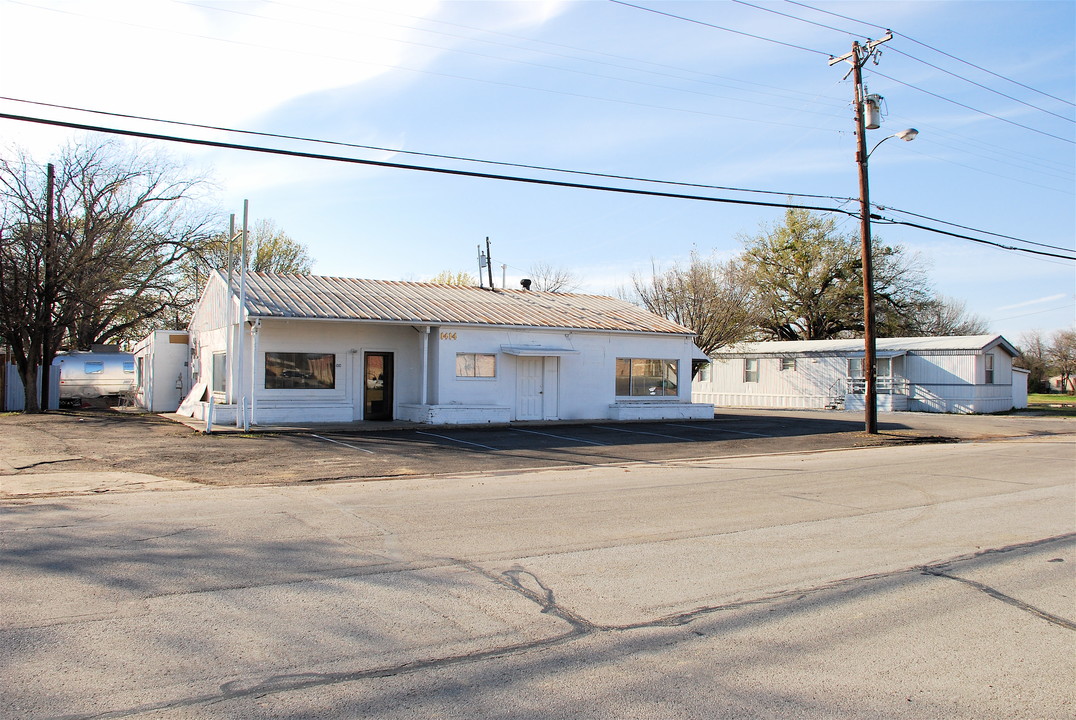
(88, 375)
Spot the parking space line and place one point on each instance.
(721, 429)
(560, 437)
(353, 447)
(456, 440)
(642, 432)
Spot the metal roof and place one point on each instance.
(957, 343)
(386, 301)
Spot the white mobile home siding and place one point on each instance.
(926, 375)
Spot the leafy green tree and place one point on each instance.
(809, 277)
(448, 277)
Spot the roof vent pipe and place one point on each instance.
(526, 283)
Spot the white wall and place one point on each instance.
(939, 382)
(165, 377)
(578, 386)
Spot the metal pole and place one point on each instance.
(49, 294)
(241, 421)
(870, 393)
(229, 350)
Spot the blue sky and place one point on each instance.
(594, 86)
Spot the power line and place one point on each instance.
(337, 143)
(969, 107)
(719, 27)
(491, 176)
(941, 52)
(984, 87)
(910, 57)
(965, 227)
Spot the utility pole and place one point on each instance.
(49, 289)
(858, 58)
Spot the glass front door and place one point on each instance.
(378, 386)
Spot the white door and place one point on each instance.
(529, 388)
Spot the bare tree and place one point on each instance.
(944, 316)
(125, 219)
(714, 299)
(1035, 358)
(1062, 354)
(553, 279)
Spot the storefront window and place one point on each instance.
(640, 377)
(299, 371)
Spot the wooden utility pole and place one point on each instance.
(857, 58)
(48, 290)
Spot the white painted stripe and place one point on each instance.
(561, 437)
(721, 429)
(456, 440)
(353, 447)
(641, 432)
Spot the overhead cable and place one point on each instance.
(491, 176)
(719, 27)
(940, 52)
(338, 143)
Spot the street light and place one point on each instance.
(906, 135)
(870, 389)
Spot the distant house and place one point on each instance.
(304, 349)
(968, 374)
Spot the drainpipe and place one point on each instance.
(254, 332)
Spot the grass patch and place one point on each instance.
(1050, 399)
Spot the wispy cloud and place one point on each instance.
(1037, 301)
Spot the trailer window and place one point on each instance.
(128, 367)
(300, 371)
(750, 370)
(93, 367)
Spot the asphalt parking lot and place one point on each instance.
(74, 445)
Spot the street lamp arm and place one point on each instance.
(905, 135)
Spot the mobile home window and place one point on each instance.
(300, 371)
(788, 364)
(220, 372)
(705, 372)
(128, 366)
(93, 367)
(750, 370)
(989, 358)
(476, 365)
(646, 377)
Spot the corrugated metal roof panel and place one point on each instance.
(318, 297)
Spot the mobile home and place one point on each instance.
(965, 374)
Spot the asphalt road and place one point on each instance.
(927, 581)
(89, 451)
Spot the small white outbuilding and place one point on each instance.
(304, 348)
(161, 362)
(964, 374)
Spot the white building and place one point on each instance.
(161, 362)
(968, 374)
(307, 349)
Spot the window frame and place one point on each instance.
(785, 366)
(222, 357)
(751, 370)
(476, 366)
(644, 376)
(988, 369)
(305, 373)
